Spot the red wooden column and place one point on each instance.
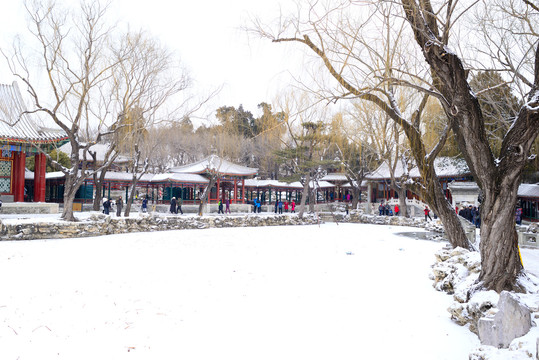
(218, 188)
(243, 190)
(39, 177)
(235, 190)
(19, 164)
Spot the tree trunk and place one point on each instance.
(98, 182)
(205, 194)
(129, 200)
(69, 197)
(436, 199)
(500, 258)
(312, 199)
(403, 210)
(304, 195)
(355, 197)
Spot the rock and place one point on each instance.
(512, 320)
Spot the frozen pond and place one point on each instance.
(345, 291)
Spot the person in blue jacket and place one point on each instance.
(280, 207)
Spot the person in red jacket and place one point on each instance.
(397, 210)
(427, 213)
(293, 205)
(285, 206)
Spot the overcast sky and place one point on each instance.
(208, 39)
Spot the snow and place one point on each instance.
(345, 291)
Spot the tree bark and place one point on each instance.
(69, 196)
(403, 210)
(98, 183)
(304, 195)
(205, 194)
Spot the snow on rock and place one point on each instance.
(456, 272)
(512, 320)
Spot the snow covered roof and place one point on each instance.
(215, 163)
(180, 178)
(15, 126)
(272, 184)
(445, 167)
(54, 175)
(125, 176)
(335, 177)
(364, 184)
(283, 185)
(528, 190)
(100, 152)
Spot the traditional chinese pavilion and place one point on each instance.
(20, 137)
(230, 177)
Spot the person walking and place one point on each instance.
(119, 205)
(220, 211)
(145, 204)
(280, 207)
(293, 206)
(227, 207)
(173, 206)
(106, 206)
(427, 213)
(276, 205)
(285, 206)
(258, 206)
(518, 215)
(180, 203)
(381, 209)
(397, 210)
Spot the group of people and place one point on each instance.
(107, 206)
(227, 209)
(470, 213)
(385, 209)
(176, 205)
(279, 205)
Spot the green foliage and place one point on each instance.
(237, 121)
(59, 156)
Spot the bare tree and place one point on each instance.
(498, 178)
(144, 83)
(388, 141)
(74, 57)
(304, 147)
(369, 67)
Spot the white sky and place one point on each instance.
(207, 37)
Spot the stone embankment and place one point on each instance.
(100, 224)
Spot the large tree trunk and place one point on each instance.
(403, 210)
(355, 197)
(500, 258)
(98, 183)
(205, 195)
(304, 195)
(70, 190)
(129, 200)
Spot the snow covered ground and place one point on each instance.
(346, 291)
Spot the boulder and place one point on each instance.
(512, 320)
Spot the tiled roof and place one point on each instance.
(18, 127)
(283, 185)
(215, 163)
(445, 167)
(528, 191)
